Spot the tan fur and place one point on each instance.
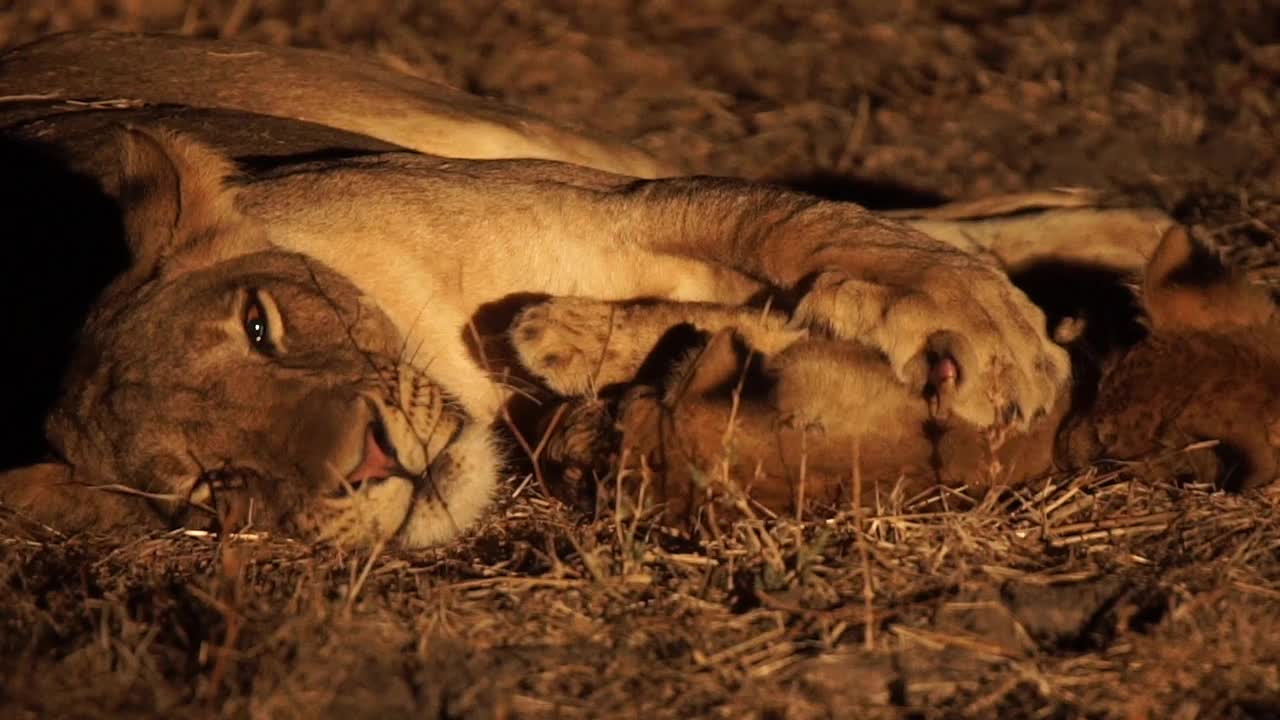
(1188, 289)
(426, 244)
(1209, 371)
(311, 85)
(168, 397)
(790, 427)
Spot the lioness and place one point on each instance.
(296, 307)
(760, 411)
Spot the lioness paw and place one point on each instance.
(959, 333)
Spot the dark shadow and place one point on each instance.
(684, 340)
(1232, 466)
(258, 164)
(63, 243)
(1102, 298)
(490, 347)
(678, 342)
(870, 193)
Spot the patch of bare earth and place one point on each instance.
(1117, 593)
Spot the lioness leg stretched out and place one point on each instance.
(199, 337)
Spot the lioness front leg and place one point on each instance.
(924, 304)
(857, 276)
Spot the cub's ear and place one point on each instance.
(176, 202)
(720, 363)
(47, 496)
(1187, 287)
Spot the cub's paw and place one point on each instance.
(954, 329)
(578, 345)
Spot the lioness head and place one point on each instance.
(218, 365)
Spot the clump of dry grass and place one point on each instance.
(1117, 592)
(1052, 597)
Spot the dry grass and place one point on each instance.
(1117, 593)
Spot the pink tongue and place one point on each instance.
(375, 464)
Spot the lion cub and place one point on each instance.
(695, 398)
(1210, 369)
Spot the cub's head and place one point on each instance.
(1209, 370)
(218, 371)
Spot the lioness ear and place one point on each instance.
(1187, 286)
(47, 495)
(175, 200)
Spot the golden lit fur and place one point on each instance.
(250, 201)
(786, 419)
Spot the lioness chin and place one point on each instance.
(298, 309)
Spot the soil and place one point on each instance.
(1121, 592)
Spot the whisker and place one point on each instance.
(594, 378)
(404, 344)
(433, 488)
(346, 327)
(164, 497)
(417, 349)
(506, 383)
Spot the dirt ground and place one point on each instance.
(1120, 592)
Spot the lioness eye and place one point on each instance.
(255, 325)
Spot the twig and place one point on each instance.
(868, 592)
(1161, 519)
(364, 575)
(512, 580)
(1259, 590)
(1107, 534)
(29, 97)
(733, 651)
(164, 497)
(239, 536)
(933, 638)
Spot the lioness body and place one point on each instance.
(432, 241)
(307, 85)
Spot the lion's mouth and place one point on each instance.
(380, 460)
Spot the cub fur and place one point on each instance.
(786, 420)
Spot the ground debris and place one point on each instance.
(1119, 592)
